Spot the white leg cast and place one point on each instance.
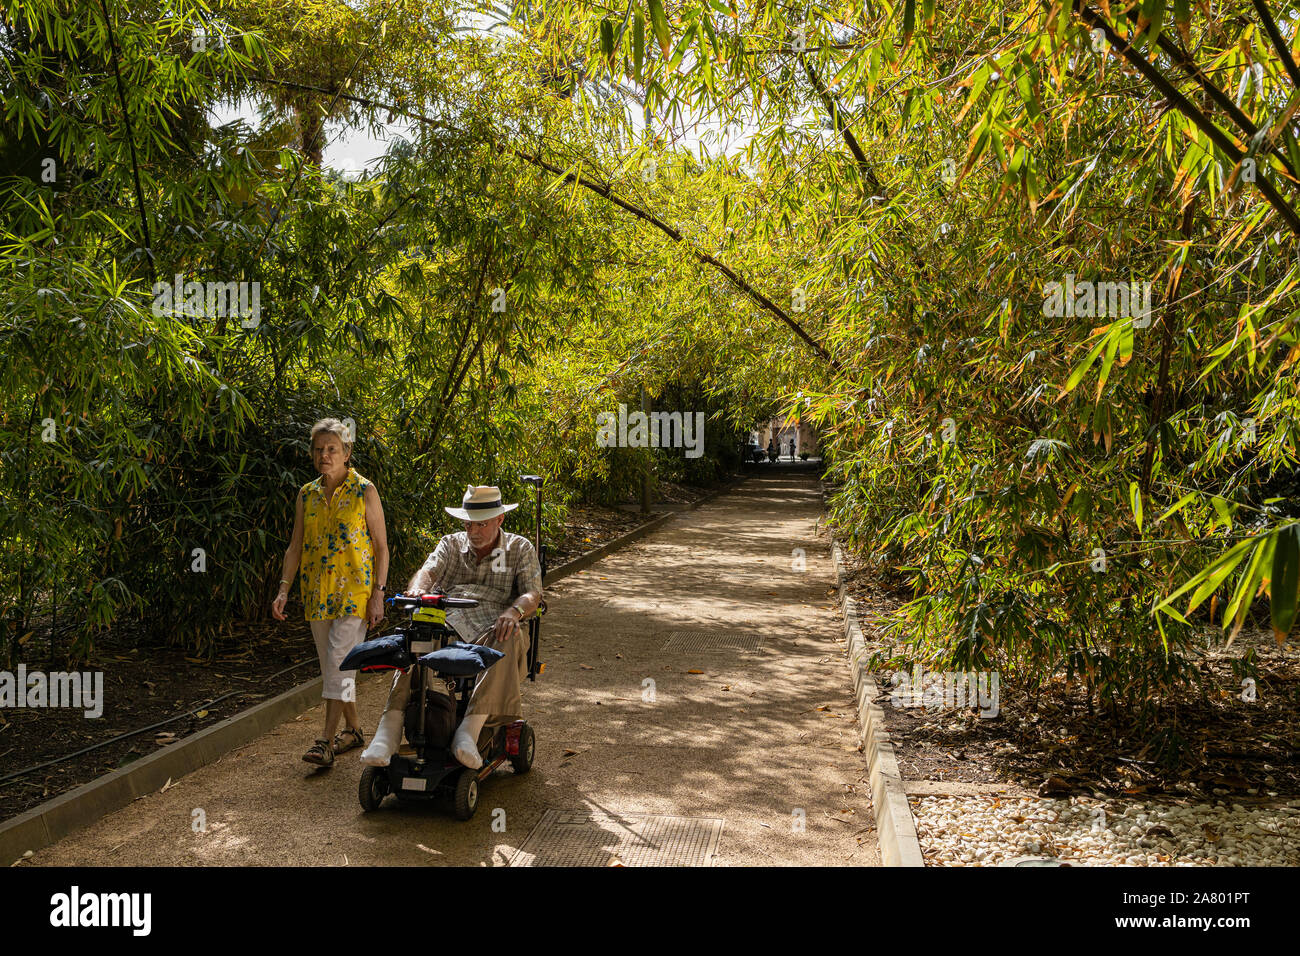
(464, 746)
(388, 735)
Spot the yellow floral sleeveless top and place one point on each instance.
(337, 572)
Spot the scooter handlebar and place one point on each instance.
(430, 600)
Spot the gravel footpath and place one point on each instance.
(758, 743)
(987, 830)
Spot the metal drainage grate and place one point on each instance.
(714, 641)
(582, 838)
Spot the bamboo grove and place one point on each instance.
(1030, 268)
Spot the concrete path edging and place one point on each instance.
(895, 825)
(50, 822)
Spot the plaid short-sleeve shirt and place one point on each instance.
(509, 570)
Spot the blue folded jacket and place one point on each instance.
(460, 659)
(381, 653)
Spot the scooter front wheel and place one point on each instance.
(373, 787)
(466, 797)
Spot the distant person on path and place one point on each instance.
(792, 449)
(500, 570)
(771, 449)
(340, 540)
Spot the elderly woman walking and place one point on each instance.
(339, 535)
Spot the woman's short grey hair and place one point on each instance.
(336, 428)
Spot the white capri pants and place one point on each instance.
(334, 639)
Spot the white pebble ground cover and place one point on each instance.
(1085, 831)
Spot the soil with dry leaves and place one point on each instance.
(143, 685)
(1245, 750)
(589, 527)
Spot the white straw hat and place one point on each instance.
(481, 503)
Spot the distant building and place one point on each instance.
(785, 430)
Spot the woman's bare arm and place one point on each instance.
(291, 558)
(378, 534)
(379, 546)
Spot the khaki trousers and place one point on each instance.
(496, 692)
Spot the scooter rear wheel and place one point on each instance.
(466, 796)
(523, 761)
(373, 787)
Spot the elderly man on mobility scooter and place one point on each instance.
(501, 571)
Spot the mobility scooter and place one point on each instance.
(445, 670)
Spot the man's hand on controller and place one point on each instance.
(507, 623)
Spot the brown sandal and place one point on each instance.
(354, 739)
(321, 753)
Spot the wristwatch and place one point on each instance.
(522, 615)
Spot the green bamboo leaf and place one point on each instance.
(1018, 159)
(978, 82)
(1135, 500)
(682, 46)
(1292, 147)
(707, 23)
(909, 18)
(1125, 339)
(1224, 510)
(1082, 368)
(1112, 346)
(996, 141)
(1183, 19)
(1032, 187)
(1219, 569)
(1177, 506)
(1025, 87)
(854, 64)
(1172, 613)
(1214, 580)
(1285, 587)
(638, 43)
(607, 37)
(1164, 638)
(660, 24)
(1261, 563)
(1153, 11)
